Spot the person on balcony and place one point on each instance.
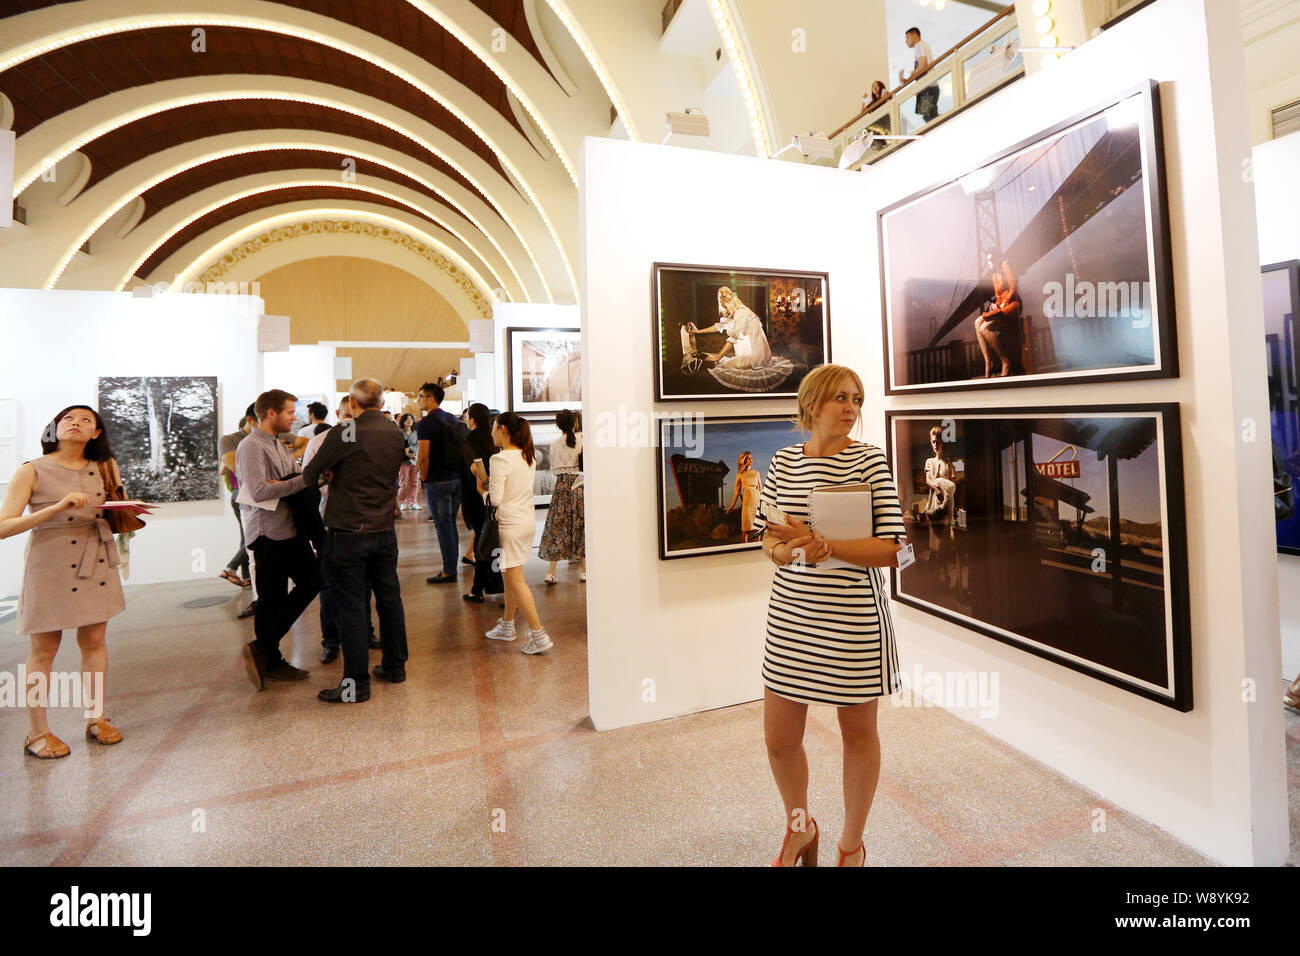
(927, 100)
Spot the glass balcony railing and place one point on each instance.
(985, 61)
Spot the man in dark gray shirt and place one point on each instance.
(360, 459)
(267, 473)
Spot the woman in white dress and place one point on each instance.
(509, 487)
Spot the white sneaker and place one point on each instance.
(549, 579)
(539, 642)
(582, 575)
(504, 631)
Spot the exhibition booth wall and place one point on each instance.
(674, 637)
(305, 370)
(1277, 207)
(62, 344)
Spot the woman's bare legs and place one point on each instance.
(861, 772)
(984, 347)
(40, 659)
(518, 597)
(783, 729)
(94, 662)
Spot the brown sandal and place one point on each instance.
(103, 732)
(45, 747)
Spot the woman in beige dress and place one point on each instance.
(749, 486)
(70, 576)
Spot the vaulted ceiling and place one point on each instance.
(154, 135)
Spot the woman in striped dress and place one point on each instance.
(829, 636)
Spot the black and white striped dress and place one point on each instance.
(829, 636)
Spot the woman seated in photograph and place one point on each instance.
(745, 361)
(1000, 329)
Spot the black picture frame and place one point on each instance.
(1026, 547)
(1281, 338)
(787, 389)
(1159, 269)
(662, 462)
(514, 401)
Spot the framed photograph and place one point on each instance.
(1281, 311)
(723, 332)
(710, 479)
(1048, 263)
(544, 435)
(545, 369)
(1059, 531)
(163, 430)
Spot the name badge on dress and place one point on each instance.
(906, 556)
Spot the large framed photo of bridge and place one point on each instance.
(1059, 531)
(710, 478)
(1046, 264)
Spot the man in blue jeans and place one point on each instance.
(441, 477)
(360, 460)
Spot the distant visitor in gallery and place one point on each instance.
(70, 572)
(564, 537)
(509, 490)
(829, 635)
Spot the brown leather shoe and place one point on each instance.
(45, 747)
(104, 732)
(254, 665)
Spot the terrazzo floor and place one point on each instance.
(485, 756)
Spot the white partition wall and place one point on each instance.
(1277, 206)
(668, 638)
(58, 344)
(303, 370)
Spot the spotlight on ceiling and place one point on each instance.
(812, 146)
(690, 122)
(857, 147)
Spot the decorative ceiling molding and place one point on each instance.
(348, 227)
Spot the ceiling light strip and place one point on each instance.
(570, 22)
(726, 22)
(195, 98)
(273, 187)
(468, 42)
(287, 218)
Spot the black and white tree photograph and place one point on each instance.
(163, 430)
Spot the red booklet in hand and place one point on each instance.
(139, 506)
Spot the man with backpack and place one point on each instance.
(440, 462)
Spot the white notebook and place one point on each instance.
(841, 512)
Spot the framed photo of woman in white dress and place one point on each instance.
(723, 332)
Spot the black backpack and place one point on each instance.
(454, 434)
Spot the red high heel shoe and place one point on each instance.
(808, 854)
(842, 856)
